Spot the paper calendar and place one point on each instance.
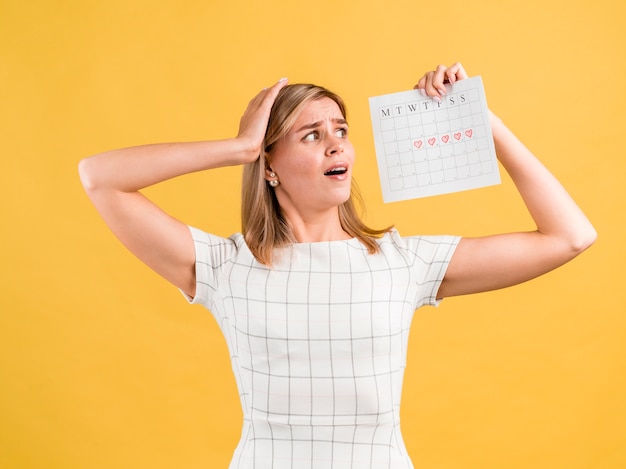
(425, 147)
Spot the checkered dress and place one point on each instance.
(318, 344)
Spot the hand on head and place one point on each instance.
(253, 123)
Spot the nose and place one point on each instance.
(334, 146)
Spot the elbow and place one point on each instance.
(584, 239)
(87, 173)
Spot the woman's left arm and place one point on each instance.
(493, 262)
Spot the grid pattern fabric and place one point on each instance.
(318, 344)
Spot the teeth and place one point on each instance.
(338, 170)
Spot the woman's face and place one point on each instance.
(313, 161)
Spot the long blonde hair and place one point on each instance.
(263, 225)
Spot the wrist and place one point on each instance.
(247, 150)
(498, 129)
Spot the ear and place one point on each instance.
(270, 175)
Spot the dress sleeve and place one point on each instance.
(213, 253)
(432, 257)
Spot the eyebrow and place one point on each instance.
(318, 123)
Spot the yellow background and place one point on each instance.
(103, 365)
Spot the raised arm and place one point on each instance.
(113, 180)
(563, 231)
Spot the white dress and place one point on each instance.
(318, 344)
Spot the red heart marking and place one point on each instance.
(457, 136)
(469, 132)
(431, 141)
(417, 144)
(445, 138)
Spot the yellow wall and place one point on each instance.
(103, 365)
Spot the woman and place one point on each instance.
(315, 306)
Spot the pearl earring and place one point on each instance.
(274, 182)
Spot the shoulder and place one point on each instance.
(215, 257)
(215, 249)
(209, 240)
(394, 238)
(427, 248)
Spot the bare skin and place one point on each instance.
(113, 180)
(563, 231)
(309, 194)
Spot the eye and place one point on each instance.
(341, 132)
(310, 137)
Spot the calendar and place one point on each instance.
(425, 147)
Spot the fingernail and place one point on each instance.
(442, 91)
(437, 99)
(423, 91)
(282, 79)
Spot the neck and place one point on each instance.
(320, 227)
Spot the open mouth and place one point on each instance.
(336, 171)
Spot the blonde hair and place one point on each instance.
(263, 225)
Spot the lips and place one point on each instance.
(336, 170)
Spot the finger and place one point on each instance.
(254, 120)
(438, 79)
(254, 102)
(421, 84)
(431, 89)
(455, 72)
(450, 76)
(425, 85)
(273, 91)
(265, 98)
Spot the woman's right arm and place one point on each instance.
(113, 180)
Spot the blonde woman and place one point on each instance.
(314, 305)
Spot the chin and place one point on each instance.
(342, 198)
